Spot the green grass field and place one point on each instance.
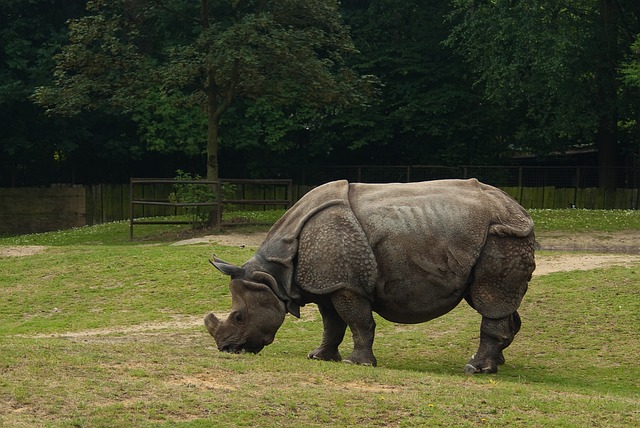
(97, 331)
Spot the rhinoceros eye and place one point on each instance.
(237, 316)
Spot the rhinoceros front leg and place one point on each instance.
(332, 335)
(355, 310)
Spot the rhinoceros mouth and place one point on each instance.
(240, 349)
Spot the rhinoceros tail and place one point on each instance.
(508, 218)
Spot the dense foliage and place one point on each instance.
(102, 90)
(556, 64)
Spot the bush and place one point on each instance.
(197, 193)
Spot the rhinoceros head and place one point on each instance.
(256, 312)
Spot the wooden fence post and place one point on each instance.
(131, 213)
(219, 204)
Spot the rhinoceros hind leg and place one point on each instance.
(495, 335)
(332, 335)
(500, 281)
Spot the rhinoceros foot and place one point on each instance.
(469, 369)
(362, 358)
(325, 355)
(477, 366)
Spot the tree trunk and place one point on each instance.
(607, 153)
(607, 137)
(213, 122)
(213, 125)
(212, 140)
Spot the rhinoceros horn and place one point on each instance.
(212, 323)
(227, 268)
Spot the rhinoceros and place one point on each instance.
(409, 252)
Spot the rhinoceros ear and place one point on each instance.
(292, 307)
(227, 268)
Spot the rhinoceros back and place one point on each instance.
(435, 228)
(444, 205)
(427, 237)
(428, 233)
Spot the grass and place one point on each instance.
(117, 233)
(585, 220)
(97, 331)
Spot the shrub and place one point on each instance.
(197, 193)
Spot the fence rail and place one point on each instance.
(219, 201)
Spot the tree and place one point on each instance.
(631, 68)
(158, 60)
(629, 125)
(555, 64)
(30, 31)
(427, 111)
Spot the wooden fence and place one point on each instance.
(589, 198)
(29, 210)
(112, 202)
(32, 210)
(239, 192)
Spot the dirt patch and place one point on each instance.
(624, 241)
(178, 323)
(550, 263)
(229, 239)
(621, 248)
(21, 251)
(206, 382)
